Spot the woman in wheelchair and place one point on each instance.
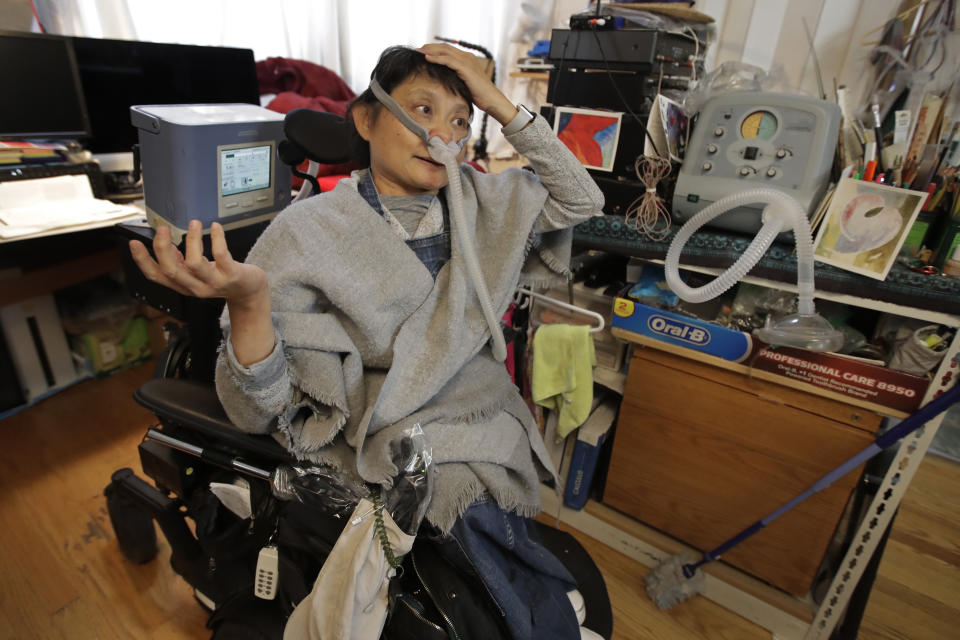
(358, 314)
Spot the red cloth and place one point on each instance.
(288, 101)
(327, 183)
(277, 75)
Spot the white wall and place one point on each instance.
(347, 35)
(771, 34)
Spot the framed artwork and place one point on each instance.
(591, 135)
(865, 226)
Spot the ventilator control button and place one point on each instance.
(711, 148)
(707, 166)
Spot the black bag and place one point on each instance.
(435, 596)
(432, 598)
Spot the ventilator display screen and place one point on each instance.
(245, 169)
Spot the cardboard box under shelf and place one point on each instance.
(700, 453)
(829, 374)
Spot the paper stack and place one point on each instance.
(59, 204)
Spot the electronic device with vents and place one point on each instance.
(213, 163)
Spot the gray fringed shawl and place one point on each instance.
(369, 344)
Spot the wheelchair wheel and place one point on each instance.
(132, 526)
(174, 360)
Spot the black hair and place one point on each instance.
(397, 64)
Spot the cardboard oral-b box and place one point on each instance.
(652, 321)
(832, 372)
(681, 331)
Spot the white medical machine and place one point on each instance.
(757, 140)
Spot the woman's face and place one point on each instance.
(399, 160)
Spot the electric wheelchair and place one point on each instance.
(194, 444)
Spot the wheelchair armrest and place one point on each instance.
(195, 405)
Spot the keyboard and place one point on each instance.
(52, 170)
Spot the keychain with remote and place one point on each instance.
(265, 581)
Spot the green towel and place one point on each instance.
(563, 361)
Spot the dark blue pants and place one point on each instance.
(528, 583)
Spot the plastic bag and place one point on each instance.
(734, 76)
(407, 500)
(321, 486)
(921, 352)
(337, 493)
(753, 304)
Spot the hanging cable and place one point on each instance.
(648, 214)
(696, 54)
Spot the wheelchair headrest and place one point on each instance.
(316, 135)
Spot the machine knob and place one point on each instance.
(746, 171)
(718, 131)
(707, 166)
(771, 172)
(782, 153)
(711, 148)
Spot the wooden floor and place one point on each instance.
(64, 577)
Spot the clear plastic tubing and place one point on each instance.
(782, 213)
(447, 154)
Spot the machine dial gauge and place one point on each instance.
(759, 124)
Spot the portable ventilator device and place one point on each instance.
(757, 140)
(213, 163)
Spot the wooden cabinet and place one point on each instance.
(701, 453)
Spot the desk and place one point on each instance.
(904, 293)
(34, 267)
(31, 270)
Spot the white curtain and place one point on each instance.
(346, 36)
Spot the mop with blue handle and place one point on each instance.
(676, 578)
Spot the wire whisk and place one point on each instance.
(648, 214)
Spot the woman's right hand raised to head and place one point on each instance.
(193, 274)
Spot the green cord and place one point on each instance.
(381, 531)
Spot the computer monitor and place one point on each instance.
(117, 74)
(42, 98)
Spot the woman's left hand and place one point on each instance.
(474, 71)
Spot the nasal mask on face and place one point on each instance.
(438, 149)
(447, 154)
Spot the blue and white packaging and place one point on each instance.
(682, 331)
(586, 451)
